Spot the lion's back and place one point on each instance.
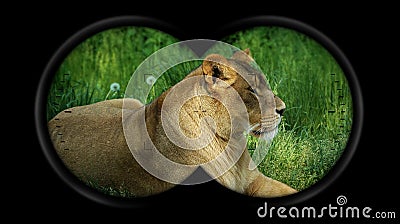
(91, 143)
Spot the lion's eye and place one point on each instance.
(252, 90)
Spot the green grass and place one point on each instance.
(298, 70)
(110, 56)
(121, 192)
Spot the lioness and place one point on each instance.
(90, 139)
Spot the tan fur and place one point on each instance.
(90, 139)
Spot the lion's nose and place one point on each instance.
(280, 111)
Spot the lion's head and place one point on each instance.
(264, 108)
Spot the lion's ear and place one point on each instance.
(244, 55)
(217, 72)
(247, 51)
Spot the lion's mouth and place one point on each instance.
(260, 132)
(257, 132)
(267, 133)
